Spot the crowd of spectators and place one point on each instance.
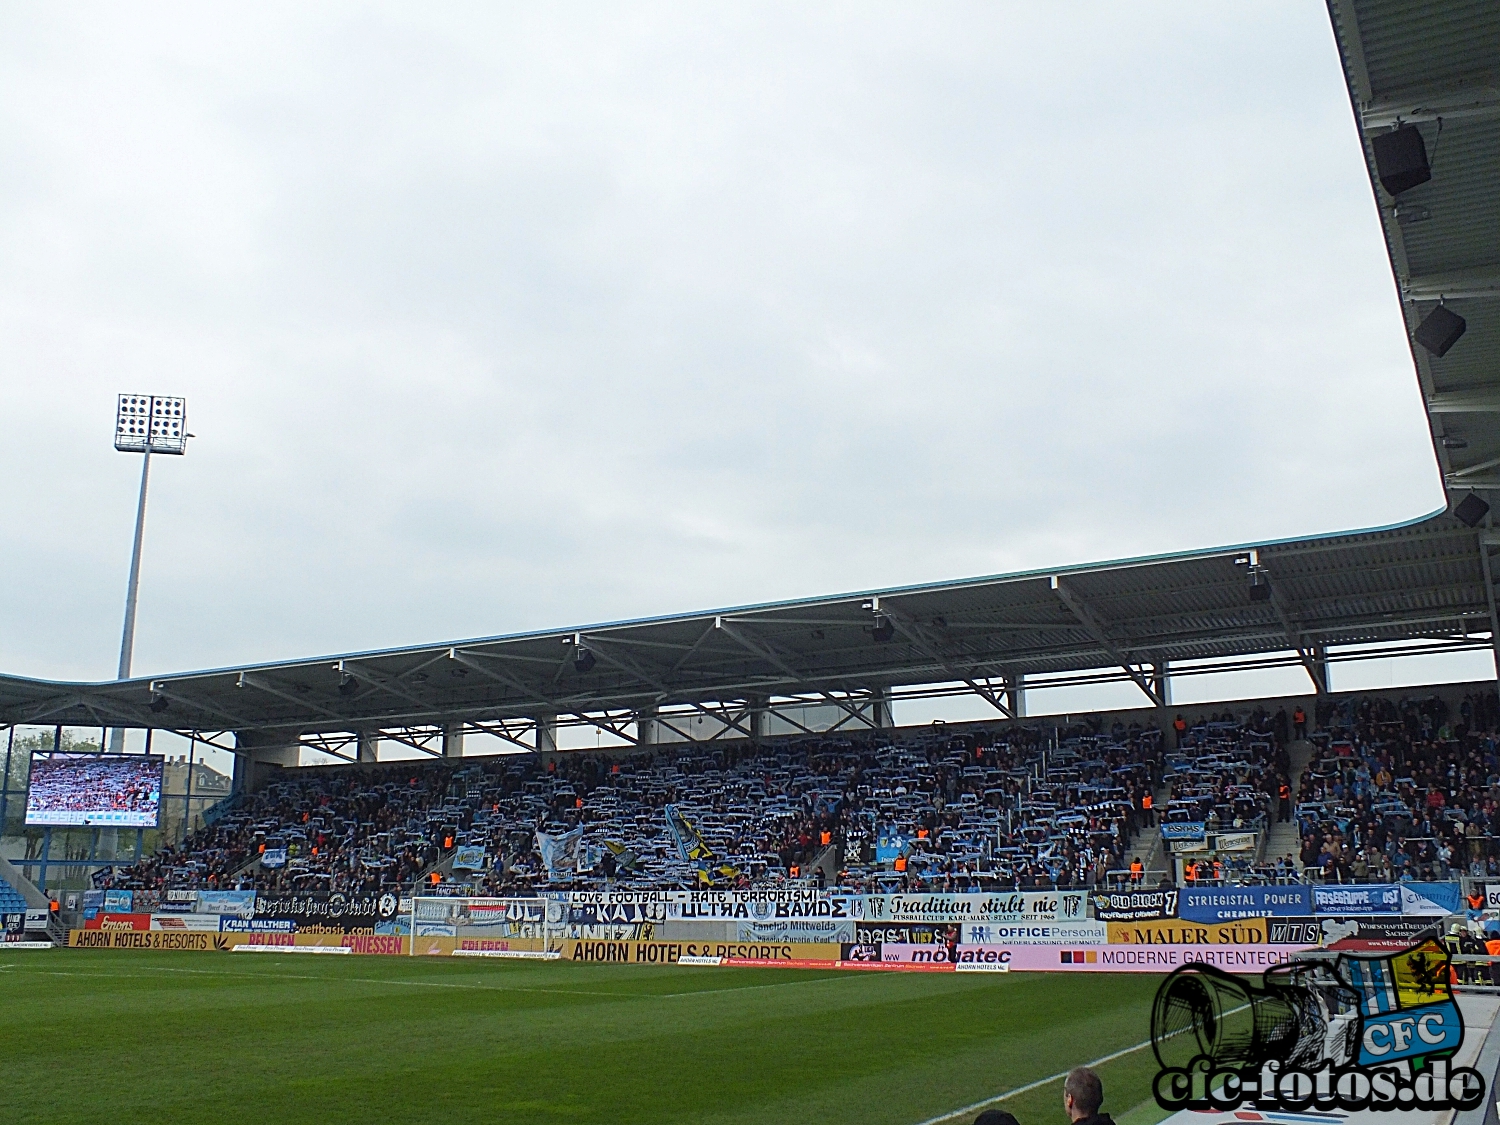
(1408, 789)
(1014, 807)
(1394, 790)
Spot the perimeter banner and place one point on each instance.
(330, 913)
(1226, 904)
(1035, 933)
(1147, 958)
(1431, 900)
(1103, 959)
(874, 933)
(1377, 933)
(1248, 931)
(761, 906)
(796, 930)
(1005, 906)
(1135, 906)
(668, 952)
(1357, 898)
(200, 941)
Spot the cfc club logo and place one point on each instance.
(1355, 1033)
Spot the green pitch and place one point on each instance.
(261, 1039)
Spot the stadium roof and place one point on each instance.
(1430, 63)
(1417, 580)
(1435, 64)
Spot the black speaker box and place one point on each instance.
(1440, 330)
(1401, 159)
(1470, 510)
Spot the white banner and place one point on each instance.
(761, 906)
(803, 930)
(178, 922)
(618, 898)
(1011, 906)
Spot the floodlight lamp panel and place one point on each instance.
(151, 424)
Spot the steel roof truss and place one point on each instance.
(1095, 629)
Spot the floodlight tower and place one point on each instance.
(145, 424)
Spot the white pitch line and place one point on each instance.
(1055, 1077)
(1031, 1086)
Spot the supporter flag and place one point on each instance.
(560, 853)
(627, 860)
(692, 849)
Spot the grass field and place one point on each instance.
(161, 1038)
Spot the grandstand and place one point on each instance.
(694, 699)
(757, 803)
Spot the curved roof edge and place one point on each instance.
(891, 591)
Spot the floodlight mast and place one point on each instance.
(144, 424)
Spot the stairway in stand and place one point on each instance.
(1283, 839)
(1148, 844)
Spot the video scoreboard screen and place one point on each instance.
(95, 790)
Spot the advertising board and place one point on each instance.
(1244, 931)
(1431, 900)
(1035, 933)
(334, 913)
(1357, 898)
(998, 955)
(1377, 933)
(1134, 905)
(103, 921)
(665, 953)
(1226, 904)
(201, 941)
(1147, 958)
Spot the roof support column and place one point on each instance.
(453, 740)
(546, 734)
(255, 757)
(756, 708)
(1161, 682)
(1015, 694)
(645, 726)
(880, 709)
(1487, 539)
(368, 743)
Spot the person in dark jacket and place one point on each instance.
(1083, 1094)
(995, 1117)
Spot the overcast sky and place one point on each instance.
(493, 319)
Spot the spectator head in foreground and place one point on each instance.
(1083, 1094)
(995, 1117)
